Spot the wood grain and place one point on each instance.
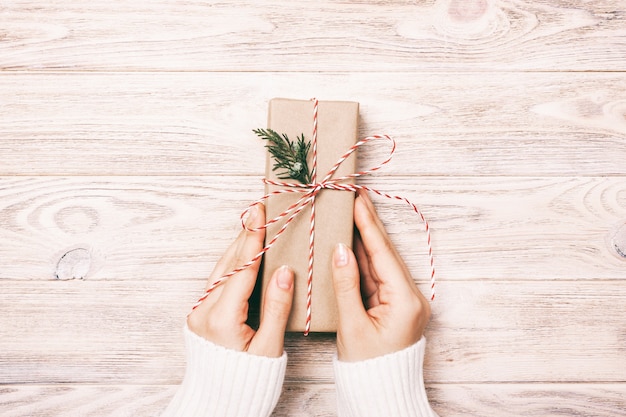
(318, 400)
(126, 156)
(352, 36)
(201, 123)
(114, 332)
(84, 400)
(163, 228)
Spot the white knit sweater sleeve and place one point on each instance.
(226, 383)
(389, 386)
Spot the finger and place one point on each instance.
(277, 302)
(225, 263)
(365, 198)
(385, 261)
(363, 202)
(347, 286)
(229, 260)
(238, 288)
(369, 281)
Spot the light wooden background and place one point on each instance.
(125, 137)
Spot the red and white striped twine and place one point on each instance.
(309, 192)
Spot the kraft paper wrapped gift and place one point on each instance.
(337, 132)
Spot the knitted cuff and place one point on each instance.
(390, 385)
(223, 382)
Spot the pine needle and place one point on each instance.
(290, 158)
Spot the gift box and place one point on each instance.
(337, 124)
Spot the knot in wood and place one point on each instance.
(74, 264)
(618, 240)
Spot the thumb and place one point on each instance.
(269, 339)
(346, 281)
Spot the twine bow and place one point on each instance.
(310, 192)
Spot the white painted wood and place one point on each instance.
(84, 400)
(126, 153)
(558, 124)
(352, 36)
(162, 228)
(318, 400)
(130, 332)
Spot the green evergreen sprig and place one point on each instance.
(290, 157)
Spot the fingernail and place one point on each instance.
(341, 255)
(284, 278)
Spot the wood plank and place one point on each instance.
(559, 124)
(163, 228)
(84, 400)
(318, 400)
(130, 332)
(347, 36)
(533, 400)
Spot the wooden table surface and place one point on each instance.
(127, 154)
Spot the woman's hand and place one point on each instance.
(222, 316)
(380, 309)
